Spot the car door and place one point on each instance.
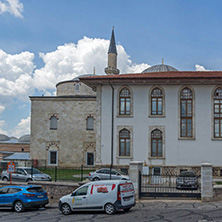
(115, 175)
(3, 197)
(80, 198)
(19, 175)
(11, 196)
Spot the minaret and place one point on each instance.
(112, 57)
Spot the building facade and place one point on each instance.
(63, 126)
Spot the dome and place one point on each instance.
(4, 137)
(24, 139)
(77, 78)
(159, 68)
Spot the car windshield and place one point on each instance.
(187, 174)
(34, 171)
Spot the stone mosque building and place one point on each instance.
(162, 116)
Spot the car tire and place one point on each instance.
(126, 210)
(96, 179)
(19, 206)
(28, 180)
(65, 208)
(110, 209)
(5, 179)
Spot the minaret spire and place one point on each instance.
(112, 57)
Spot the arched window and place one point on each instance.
(218, 113)
(156, 143)
(124, 101)
(124, 142)
(53, 123)
(90, 123)
(186, 112)
(77, 87)
(156, 101)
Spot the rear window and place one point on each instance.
(187, 174)
(35, 190)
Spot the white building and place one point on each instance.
(161, 116)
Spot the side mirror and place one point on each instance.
(73, 194)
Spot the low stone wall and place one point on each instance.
(55, 190)
(217, 192)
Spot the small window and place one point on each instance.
(124, 142)
(77, 87)
(82, 191)
(156, 143)
(3, 190)
(52, 157)
(53, 123)
(124, 102)
(156, 171)
(14, 190)
(156, 101)
(90, 159)
(90, 123)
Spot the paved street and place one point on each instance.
(151, 211)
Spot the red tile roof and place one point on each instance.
(160, 75)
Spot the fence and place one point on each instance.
(57, 173)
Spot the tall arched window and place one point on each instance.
(186, 112)
(156, 101)
(53, 123)
(90, 123)
(156, 143)
(124, 101)
(124, 142)
(218, 113)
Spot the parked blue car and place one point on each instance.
(21, 197)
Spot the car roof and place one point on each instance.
(21, 186)
(100, 182)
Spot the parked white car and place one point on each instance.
(109, 196)
(104, 174)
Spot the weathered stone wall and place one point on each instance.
(69, 89)
(71, 139)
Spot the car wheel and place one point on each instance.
(28, 180)
(110, 209)
(18, 206)
(126, 210)
(5, 179)
(66, 209)
(96, 179)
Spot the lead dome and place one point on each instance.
(160, 68)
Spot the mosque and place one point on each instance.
(162, 116)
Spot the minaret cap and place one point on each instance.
(112, 45)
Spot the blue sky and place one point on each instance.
(43, 42)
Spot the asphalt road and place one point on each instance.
(151, 211)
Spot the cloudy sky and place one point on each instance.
(43, 42)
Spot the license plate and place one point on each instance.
(127, 198)
(40, 196)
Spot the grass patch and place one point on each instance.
(66, 174)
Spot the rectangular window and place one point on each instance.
(90, 159)
(156, 171)
(52, 157)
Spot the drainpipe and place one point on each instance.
(112, 127)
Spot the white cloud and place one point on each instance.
(14, 7)
(2, 108)
(19, 78)
(2, 124)
(71, 60)
(200, 68)
(16, 76)
(22, 128)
